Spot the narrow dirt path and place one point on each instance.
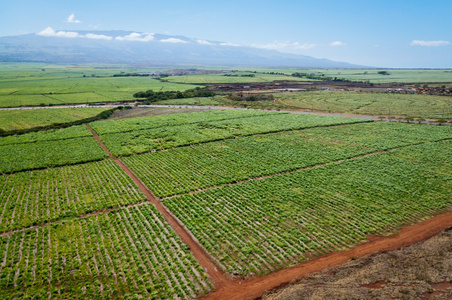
(217, 276)
(255, 287)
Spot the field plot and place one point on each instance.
(51, 148)
(236, 77)
(41, 196)
(140, 141)
(126, 125)
(426, 106)
(125, 253)
(263, 225)
(73, 88)
(30, 118)
(180, 170)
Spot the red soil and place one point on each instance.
(253, 288)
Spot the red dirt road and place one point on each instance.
(217, 276)
(254, 288)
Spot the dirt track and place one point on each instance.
(253, 288)
(216, 275)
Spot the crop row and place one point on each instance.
(122, 254)
(263, 225)
(128, 143)
(40, 196)
(134, 124)
(46, 154)
(180, 170)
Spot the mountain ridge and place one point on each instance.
(131, 47)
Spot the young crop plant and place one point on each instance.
(41, 196)
(128, 253)
(259, 226)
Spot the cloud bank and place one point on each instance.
(49, 32)
(174, 41)
(430, 43)
(136, 37)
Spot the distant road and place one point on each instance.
(368, 117)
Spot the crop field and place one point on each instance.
(44, 149)
(236, 77)
(113, 255)
(263, 225)
(66, 85)
(24, 119)
(426, 106)
(127, 143)
(395, 75)
(41, 196)
(258, 190)
(185, 169)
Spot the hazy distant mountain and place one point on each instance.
(139, 48)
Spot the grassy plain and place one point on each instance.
(25, 119)
(236, 77)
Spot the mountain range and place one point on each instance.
(128, 47)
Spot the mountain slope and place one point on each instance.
(139, 48)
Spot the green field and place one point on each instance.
(264, 225)
(41, 196)
(259, 190)
(410, 76)
(28, 85)
(381, 104)
(51, 148)
(146, 140)
(30, 118)
(116, 255)
(236, 77)
(181, 170)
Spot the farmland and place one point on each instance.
(53, 85)
(191, 168)
(257, 191)
(26, 119)
(426, 106)
(133, 142)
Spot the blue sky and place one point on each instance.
(382, 33)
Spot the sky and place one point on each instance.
(379, 33)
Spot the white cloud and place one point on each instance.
(49, 32)
(71, 19)
(203, 42)
(173, 40)
(337, 43)
(430, 43)
(98, 36)
(281, 46)
(135, 36)
(229, 44)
